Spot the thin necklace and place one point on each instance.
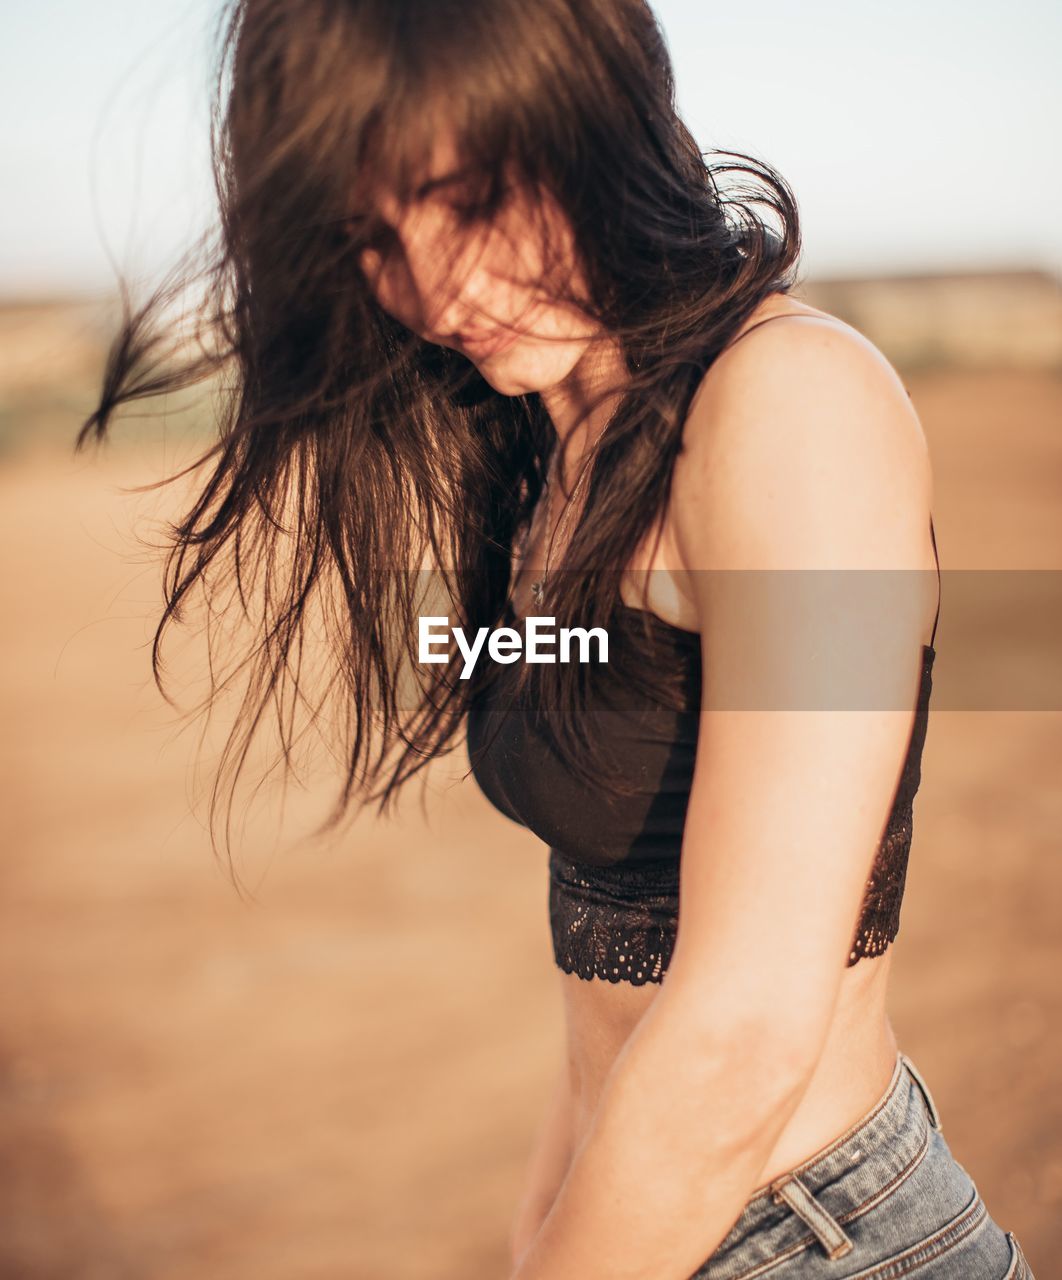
(538, 587)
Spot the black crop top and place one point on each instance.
(614, 861)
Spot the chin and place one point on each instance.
(520, 371)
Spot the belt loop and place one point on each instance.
(827, 1229)
(931, 1106)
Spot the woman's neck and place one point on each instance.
(600, 369)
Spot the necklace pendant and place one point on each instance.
(538, 591)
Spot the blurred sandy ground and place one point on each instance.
(343, 1077)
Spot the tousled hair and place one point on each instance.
(358, 467)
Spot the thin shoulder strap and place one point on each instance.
(784, 315)
(933, 535)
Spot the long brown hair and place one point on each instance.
(352, 456)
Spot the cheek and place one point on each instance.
(551, 252)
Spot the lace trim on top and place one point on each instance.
(618, 925)
(879, 920)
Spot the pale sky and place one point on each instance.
(922, 134)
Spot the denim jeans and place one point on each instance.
(884, 1200)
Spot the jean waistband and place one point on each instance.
(850, 1175)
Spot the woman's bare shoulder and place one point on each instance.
(758, 342)
(805, 410)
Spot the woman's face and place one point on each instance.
(480, 289)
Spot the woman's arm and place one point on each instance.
(806, 457)
(547, 1166)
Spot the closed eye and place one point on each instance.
(481, 207)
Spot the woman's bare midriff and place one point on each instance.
(851, 1074)
(859, 1055)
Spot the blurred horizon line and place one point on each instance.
(1026, 269)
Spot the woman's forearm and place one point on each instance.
(681, 1132)
(547, 1165)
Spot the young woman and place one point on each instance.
(503, 340)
